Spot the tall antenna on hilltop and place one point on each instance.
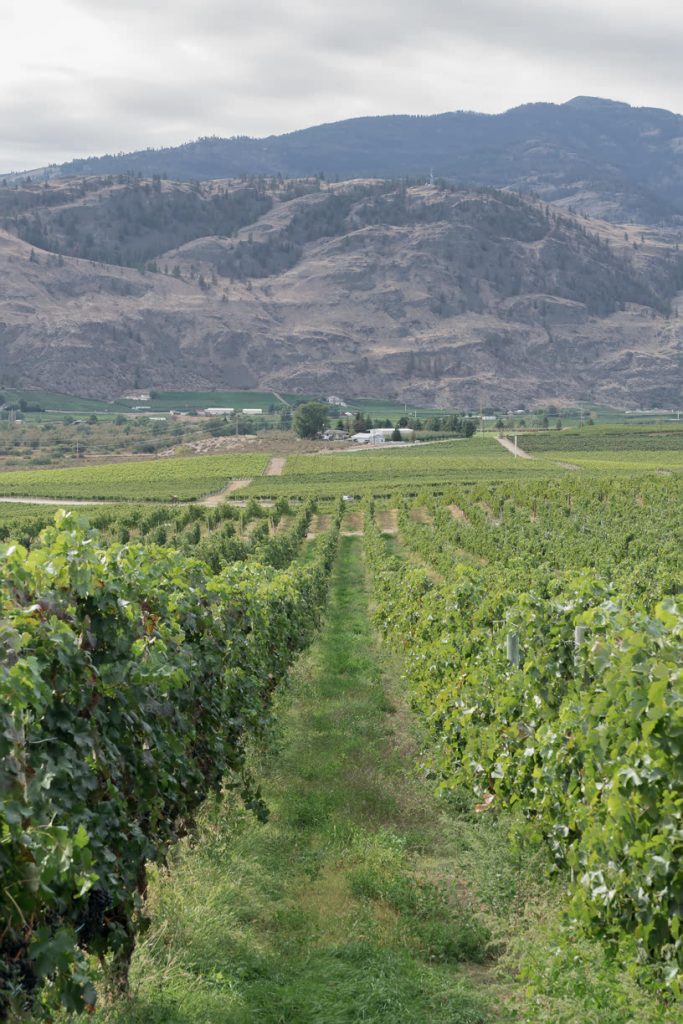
(431, 176)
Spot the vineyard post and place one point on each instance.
(579, 637)
(513, 649)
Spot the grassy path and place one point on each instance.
(341, 908)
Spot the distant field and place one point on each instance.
(615, 449)
(385, 460)
(398, 470)
(186, 400)
(623, 460)
(667, 438)
(393, 410)
(158, 479)
(384, 471)
(58, 402)
(162, 401)
(378, 408)
(604, 414)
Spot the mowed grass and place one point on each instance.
(340, 909)
(156, 479)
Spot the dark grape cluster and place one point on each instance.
(91, 922)
(18, 980)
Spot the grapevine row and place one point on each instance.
(132, 677)
(562, 700)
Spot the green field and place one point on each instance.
(58, 402)
(387, 470)
(183, 401)
(381, 471)
(663, 437)
(611, 448)
(377, 408)
(625, 460)
(386, 409)
(182, 478)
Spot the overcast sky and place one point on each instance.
(85, 77)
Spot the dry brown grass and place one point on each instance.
(420, 514)
(387, 520)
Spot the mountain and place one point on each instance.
(363, 287)
(600, 157)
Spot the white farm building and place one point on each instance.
(380, 435)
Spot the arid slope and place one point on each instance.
(363, 288)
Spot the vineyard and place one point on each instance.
(235, 531)
(548, 668)
(665, 438)
(135, 677)
(614, 461)
(382, 471)
(474, 774)
(614, 449)
(157, 480)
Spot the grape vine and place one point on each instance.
(132, 676)
(556, 692)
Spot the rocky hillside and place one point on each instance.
(602, 158)
(364, 287)
(123, 220)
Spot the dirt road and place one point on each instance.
(215, 499)
(275, 466)
(510, 445)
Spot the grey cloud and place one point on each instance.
(557, 30)
(550, 27)
(227, 67)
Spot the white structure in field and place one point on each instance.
(380, 435)
(217, 410)
(253, 412)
